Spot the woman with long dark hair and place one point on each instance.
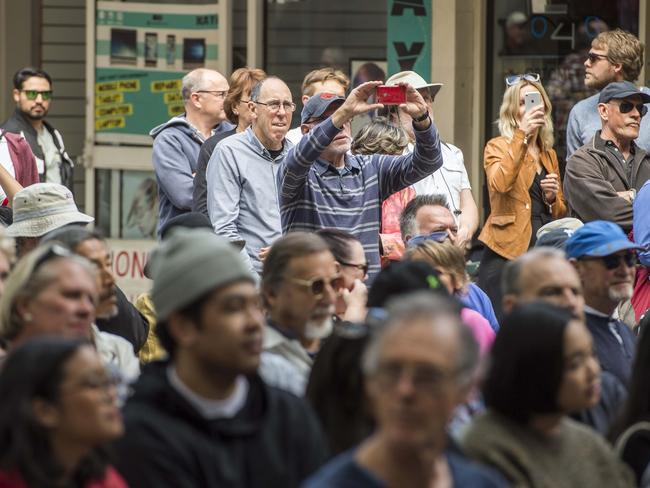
(59, 406)
(543, 368)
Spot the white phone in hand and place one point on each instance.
(532, 99)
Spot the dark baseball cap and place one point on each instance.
(318, 104)
(621, 89)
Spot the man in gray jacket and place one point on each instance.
(241, 177)
(603, 176)
(177, 142)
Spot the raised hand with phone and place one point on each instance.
(357, 103)
(533, 114)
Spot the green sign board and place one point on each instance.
(409, 37)
(141, 55)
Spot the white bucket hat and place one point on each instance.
(415, 80)
(42, 208)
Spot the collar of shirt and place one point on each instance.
(285, 332)
(259, 147)
(351, 166)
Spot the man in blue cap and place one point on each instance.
(603, 176)
(321, 184)
(605, 260)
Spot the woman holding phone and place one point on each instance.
(523, 179)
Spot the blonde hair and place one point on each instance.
(441, 255)
(322, 75)
(622, 48)
(29, 278)
(509, 112)
(380, 137)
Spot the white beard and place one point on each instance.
(319, 329)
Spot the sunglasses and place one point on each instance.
(613, 261)
(514, 79)
(56, 251)
(437, 236)
(361, 267)
(317, 285)
(593, 57)
(625, 107)
(33, 94)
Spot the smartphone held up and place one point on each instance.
(391, 95)
(532, 99)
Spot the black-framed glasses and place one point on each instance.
(613, 261)
(593, 57)
(626, 107)
(216, 93)
(33, 94)
(437, 236)
(317, 285)
(514, 79)
(55, 251)
(274, 105)
(361, 267)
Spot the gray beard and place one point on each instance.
(621, 294)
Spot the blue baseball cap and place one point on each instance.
(318, 104)
(597, 239)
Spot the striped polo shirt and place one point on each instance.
(314, 194)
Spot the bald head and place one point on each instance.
(202, 79)
(204, 91)
(542, 274)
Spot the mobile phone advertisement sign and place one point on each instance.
(409, 37)
(141, 56)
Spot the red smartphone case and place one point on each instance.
(391, 95)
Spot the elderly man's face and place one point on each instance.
(608, 280)
(434, 218)
(414, 390)
(622, 117)
(551, 279)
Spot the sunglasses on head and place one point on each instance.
(33, 94)
(514, 79)
(437, 236)
(613, 261)
(625, 107)
(317, 285)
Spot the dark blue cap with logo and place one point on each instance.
(621, 89)
(597, 239)
(317, 105)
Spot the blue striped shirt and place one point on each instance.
(314, 194)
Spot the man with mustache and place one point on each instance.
(321, 184)
(603, 176)
(605, 261)
(33, 96)
(300, 283)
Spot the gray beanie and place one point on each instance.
(189, 264)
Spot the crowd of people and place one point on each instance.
(312, 319)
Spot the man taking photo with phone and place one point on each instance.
(322, 185)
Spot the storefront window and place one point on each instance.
(552, 38)
(307, 34)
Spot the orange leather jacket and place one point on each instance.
(509, 174)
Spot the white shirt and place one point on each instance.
(294, 135)
(449, 180)
(52, 157)
(212, 409)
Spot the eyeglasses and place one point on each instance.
(317, 285)
(33, 94)
(54, 251)
(423, 378)
(593, 57)
(514, 79)
(274, 105)
(613, 261)
(216, 93)
(361, 267)
(437, 236)
(625, 107)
